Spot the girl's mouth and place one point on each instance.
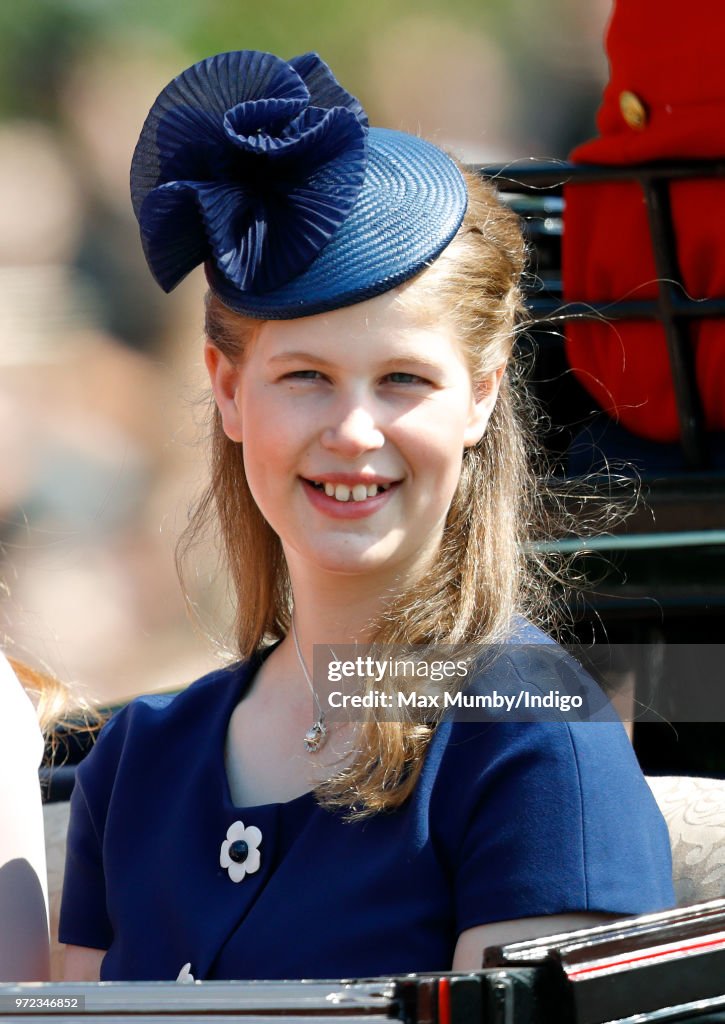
(342, 501)
(342, 493)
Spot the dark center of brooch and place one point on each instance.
(238, 851)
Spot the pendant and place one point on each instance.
(316, 736)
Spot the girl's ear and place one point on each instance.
(225, 380)
(482, 403)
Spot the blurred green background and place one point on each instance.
(546, 56)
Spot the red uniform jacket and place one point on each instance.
(665, 100)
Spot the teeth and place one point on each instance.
(357, 493)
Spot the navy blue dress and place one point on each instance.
(507, 820)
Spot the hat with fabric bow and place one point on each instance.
(267, 172)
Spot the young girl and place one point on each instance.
(371, 485)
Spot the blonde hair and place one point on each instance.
(486, 572)
(52, 698)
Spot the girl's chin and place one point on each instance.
(344, 558)
(349, 563)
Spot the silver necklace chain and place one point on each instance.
(316, 736)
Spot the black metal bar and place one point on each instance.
(549, 307)
(679, 344)
(671, 307)
(625, 934)
(555, 174)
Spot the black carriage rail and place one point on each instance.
(658, 967)
(632, 966)
(538, 182)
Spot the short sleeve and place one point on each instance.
(120, 810)
(83, 916)
(84, 919)
(557, 818)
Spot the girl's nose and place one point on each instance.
(356, 431)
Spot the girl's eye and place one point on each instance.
(304, 374)
(399, 377)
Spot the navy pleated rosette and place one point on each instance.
(266, 171)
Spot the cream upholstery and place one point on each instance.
(694, 809)
(56, 826)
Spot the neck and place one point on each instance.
(334, 608)
(338, 607)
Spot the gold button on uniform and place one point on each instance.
(633, 110)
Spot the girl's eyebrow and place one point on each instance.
(412, 359)
(402, 357)
(286, 357)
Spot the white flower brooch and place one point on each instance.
(240, 850)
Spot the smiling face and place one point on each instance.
(353, 426)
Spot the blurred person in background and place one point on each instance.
(31, 704)
(82, 447)
(665, 100)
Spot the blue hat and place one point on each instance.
(267, 173)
